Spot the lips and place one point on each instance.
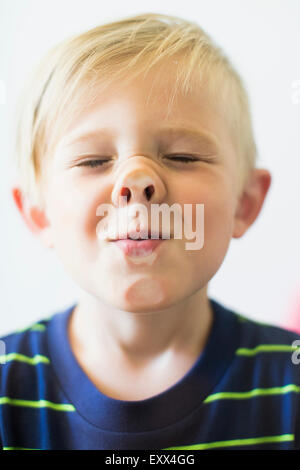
(142, 236)
(139, 244)
(138, 247)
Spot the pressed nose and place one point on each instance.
(139, 183)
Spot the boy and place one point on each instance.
(140, 113)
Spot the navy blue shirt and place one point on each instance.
(242, 392)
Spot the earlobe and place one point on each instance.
(38, 218)
(34, 218)
(251, 201)
(42, 225)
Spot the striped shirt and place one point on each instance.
(242, 392)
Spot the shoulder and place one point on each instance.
(24, 341)
(253, 330)
(23, 355)
(27, 380)
(262, 350)
(272, 350)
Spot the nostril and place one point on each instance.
(125, 192)
(149, 191)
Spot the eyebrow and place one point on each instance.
(88, 135)
(200, 135)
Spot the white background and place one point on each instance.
(260, 274)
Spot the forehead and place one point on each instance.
(148, 107)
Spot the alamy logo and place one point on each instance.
(2, 352)
(134, 218)
(296, 353)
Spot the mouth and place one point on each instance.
(141, 246)
(138, 248)
(142, 237)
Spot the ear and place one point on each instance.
(34, 217)
(251, 200)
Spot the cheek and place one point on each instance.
(72, 212)
(219, 222)
(216, 196)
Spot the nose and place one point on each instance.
(138, 182)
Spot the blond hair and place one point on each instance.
(119, 51)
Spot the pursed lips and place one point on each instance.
(142, 236)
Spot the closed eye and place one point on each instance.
(93, 163)
(182, 158)
(191, 158)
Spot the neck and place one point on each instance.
(101, 331)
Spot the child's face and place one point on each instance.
(135, 140)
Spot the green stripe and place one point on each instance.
(252, 393)
(38, 327)
(21, 357)
(212, 445)
(34, 327)
(37, 404)
(265, 348)
(237, 442)
(242, 318)
(18, 448)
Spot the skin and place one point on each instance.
(139, 327)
